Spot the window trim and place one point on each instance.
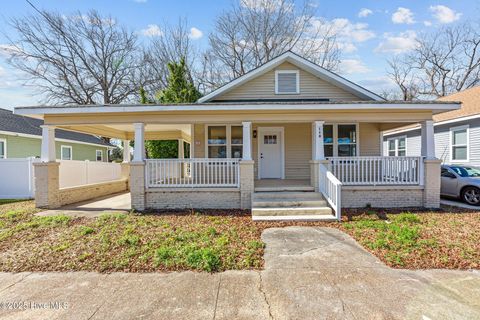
(396, 145)
(297, 73)
(335, 143)
(4, 148)
(228, 144)
(450, 142)
(66, 147)
(101, 155)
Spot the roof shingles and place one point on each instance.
(24, 125)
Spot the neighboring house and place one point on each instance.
(457, 133)
(21, 137)
(288, 140)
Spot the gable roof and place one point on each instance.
(14, 123)
(302, 63)
(470, 99)
(469, 109)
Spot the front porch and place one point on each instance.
(235, 155)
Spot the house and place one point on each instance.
(21, 137)
(288, 140)
(457, 133)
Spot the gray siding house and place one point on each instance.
(457, 133)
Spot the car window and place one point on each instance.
(445, 172)
(466, 171)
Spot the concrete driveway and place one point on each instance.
(310, 273)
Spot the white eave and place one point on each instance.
(302, 63)
(435, 107)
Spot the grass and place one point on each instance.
(419, 240)
(218, 240)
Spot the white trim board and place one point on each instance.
(303, 64)
(25, 135)
(255, 107)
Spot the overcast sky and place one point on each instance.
(370, 31)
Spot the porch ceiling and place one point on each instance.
(125, 131)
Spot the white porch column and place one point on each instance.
(247, 140)
(139, 148)
(126, 151)
(318, 151)
(181, 150)
(48, 144)
(428, 140)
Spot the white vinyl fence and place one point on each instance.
(16, 178)
(75, 173)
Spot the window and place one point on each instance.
(224, 141)
(459, 144)
(66, 153)
(287, 82)
(397, 147)
(99, 155)
(3, 149)
(340, 140)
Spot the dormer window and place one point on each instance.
(287, 82)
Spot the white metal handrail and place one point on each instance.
(331, 189)
(378, 170)
(174, 173)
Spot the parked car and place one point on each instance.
(461, 182)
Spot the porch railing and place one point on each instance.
(378, 170)
(197, 172)
(331, 189)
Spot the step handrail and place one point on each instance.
(331, 188)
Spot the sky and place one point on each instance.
(370, 31)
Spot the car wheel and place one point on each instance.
(471, 195)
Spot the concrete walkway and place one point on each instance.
(115, 203)
(310, 273)
(458, 203)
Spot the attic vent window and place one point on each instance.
(287, 82)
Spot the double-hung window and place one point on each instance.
(99, 155)
(66, 153)
(3, 149)
(340, 140)
(397, 147)
(224, 141)
(459, 143)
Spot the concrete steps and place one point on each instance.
(290, 206)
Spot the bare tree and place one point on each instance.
(402, 73)
(253, 32)
(443, 62)
(172, 45)
(80, 59)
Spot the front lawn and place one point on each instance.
(218, 241)
(420, 240)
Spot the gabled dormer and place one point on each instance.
(290, 77)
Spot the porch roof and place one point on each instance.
(172, 121)
(433, 106)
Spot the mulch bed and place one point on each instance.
(217, 240)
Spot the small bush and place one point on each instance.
(407, 218)
(205, 259)
(129, 239)
(84, 230)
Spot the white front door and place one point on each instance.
(270, 153)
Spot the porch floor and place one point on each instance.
(283, 185)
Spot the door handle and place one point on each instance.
(261, 155)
